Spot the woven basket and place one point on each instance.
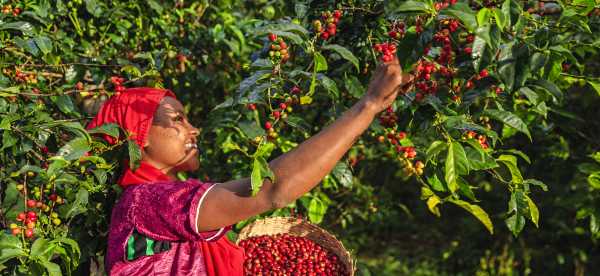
(299, 228)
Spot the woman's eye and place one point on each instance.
(178, 118)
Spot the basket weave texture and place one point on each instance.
(300, 228)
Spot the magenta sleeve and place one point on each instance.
(169, 210)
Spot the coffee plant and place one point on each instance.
(501, 122)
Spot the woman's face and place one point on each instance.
(171, 144)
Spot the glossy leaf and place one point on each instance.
(345, 53)
(476, 211)
(509, 119)
(456, 164)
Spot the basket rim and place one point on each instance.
(245, 234)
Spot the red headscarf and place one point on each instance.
(133, 110)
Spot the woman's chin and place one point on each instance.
(191, 165)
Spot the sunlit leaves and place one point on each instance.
(456, 165)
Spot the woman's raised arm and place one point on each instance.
(301, 169)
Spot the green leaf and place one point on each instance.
(110, 129)
(316, 210)
(74, 149)
(537, 61)
(10, 253)
(155, 6)
(506, 66)
(596, 156)
(65, 104)
(354, 87)
(483, 16)
(501, 19)
(435, 148)
(478, 52)
(330, 85)
(456, 164)
(345, 53)
(476, 211)
(464, 13)
(260, 171)
(135, 154)
(8, 140)
(94, 8)
(320, 62)
(11, 195)
(342, 174)
(529, 94)
(478, 159)
(409, 6)
(518, 153)
(79, 205)
(52, 268)
(516, 208)
(510, 161)
(8, 241)
(44, 44)
(550, 87)
(25, 27)
(583, 7)
(534, 213)
(509, 119)
(39, 248)
(264, 150)
(595, 85)
(465, 189)
(27, 45)
(432, 205)
(594, 180)
(435, 183)
(250, 129)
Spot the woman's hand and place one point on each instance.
(301, 169)
(387, 82)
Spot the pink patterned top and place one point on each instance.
(163, 211)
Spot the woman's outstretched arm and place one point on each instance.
(301, 169)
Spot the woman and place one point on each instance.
(162, 226)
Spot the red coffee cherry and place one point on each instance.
(272, 37)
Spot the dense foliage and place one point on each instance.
(502, 122)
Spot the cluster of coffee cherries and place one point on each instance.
(395, 139)
(281, 111)
(481, 139)
(29, 219)
(388, 118)
(28, 222)
(397, 30)
(424, 81)
(330, 20)
(278, 50)
(24, 77)
(444, 4)
(37, 194)
(284, 254)
(7, 9)
(388, 50)
(118, 83)
(448, 26)
(413, 168)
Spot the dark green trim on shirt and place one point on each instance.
(139, 245)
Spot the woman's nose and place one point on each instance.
(193, 130)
